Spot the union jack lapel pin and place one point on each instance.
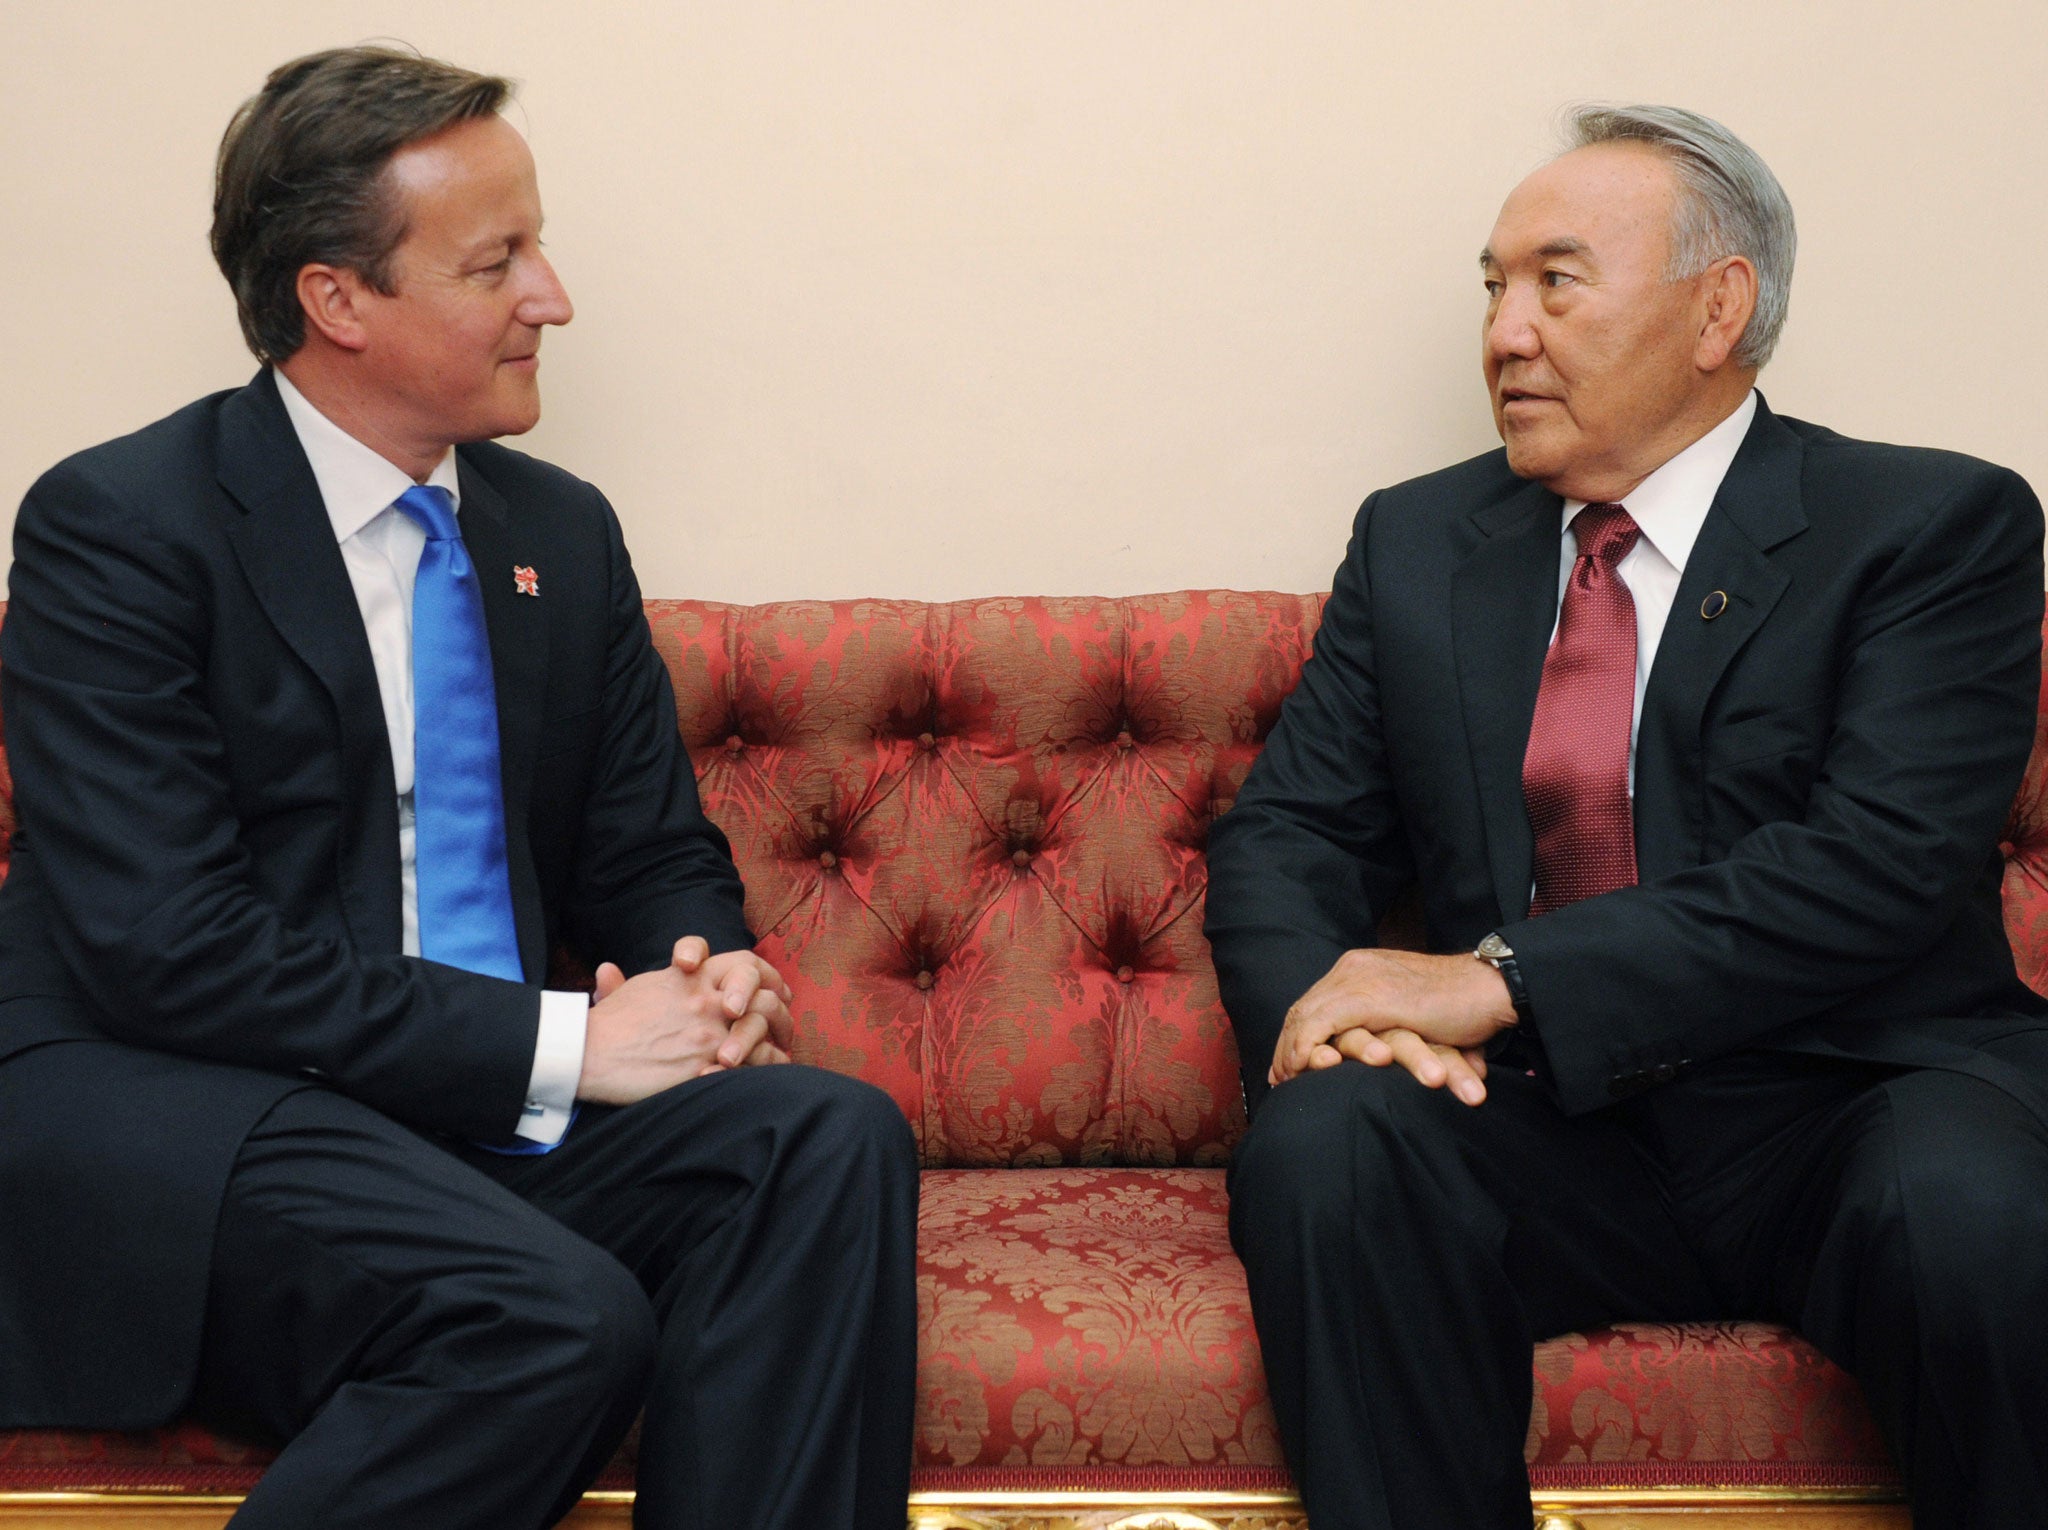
(525, 580)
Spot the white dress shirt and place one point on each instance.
(381, 545)
(1670, 506)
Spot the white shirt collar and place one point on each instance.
(1672, 503)
(355, 483)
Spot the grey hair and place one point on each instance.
(1729, 203)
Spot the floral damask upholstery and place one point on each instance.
(972, 839)
(1081, 1317)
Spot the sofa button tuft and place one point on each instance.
(926, 742)
(734, 743)
(1125, 974)
(1021, 859)
(827, 860)
(924, 980)
(1124, 739)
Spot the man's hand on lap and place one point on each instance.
(1431, 1015)
(700, 1014)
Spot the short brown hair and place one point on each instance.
(300, 176)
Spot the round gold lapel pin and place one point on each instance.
(1715, 603)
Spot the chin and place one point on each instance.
(515, 420)
(515, 410)
(1532, 458)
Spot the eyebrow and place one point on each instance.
(1546, 251)
(503, 237)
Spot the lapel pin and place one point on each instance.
(525, 581)
(1715, 603)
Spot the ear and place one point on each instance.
(1727, 299)
(333, 298)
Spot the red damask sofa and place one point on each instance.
(972, 836)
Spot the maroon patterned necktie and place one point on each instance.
(1575, 775)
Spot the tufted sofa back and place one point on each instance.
(972, 836)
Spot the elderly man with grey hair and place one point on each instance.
(1694, 728)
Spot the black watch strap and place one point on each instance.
(1500, 956)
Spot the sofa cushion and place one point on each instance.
(1072, 1317)
(1698, 1405)
(1095, 1322)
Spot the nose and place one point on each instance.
(1511, 326)
(546, 300)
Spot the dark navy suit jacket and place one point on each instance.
(203, 911)
(1822, 769)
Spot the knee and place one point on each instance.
(1316, 1139)
(847, 1119)
(1968, 1238)
(618, 1334)
(571, 1324)
(1315, 1115)
(1960, 1213)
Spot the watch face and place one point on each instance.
(1493, 948)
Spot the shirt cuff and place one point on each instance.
(557, 1067)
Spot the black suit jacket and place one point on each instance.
(1822, 770)
(206, 879)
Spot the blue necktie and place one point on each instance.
(465, 893)
(464, 890)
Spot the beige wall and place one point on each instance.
(948, 297)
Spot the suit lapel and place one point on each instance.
(1503, 606)
(285, 544)
(1757, 508)
(499, 539)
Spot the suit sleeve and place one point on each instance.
(1311, 855)
(650, 866)
(1933, 720)
(121, 785)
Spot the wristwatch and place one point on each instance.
(1500, 956)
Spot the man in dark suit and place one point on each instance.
(328, 718)
(1695, 728)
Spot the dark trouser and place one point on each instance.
(1406, 1251)
(456, 1339)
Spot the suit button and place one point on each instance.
(1663, 1073)
(1622, 1085)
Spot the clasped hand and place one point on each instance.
(699, 1014)
(1432, 1015)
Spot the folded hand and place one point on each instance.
(698, 1015)
(1429, 1014)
